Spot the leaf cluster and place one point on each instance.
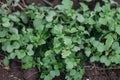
(60, 40)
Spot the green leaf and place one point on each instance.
(3, 33)
(28, 62)
(84, 6)
(94, 58)
(5, 19)
(56, 42)
(14, 30)
(115, 59)
(41, 41)
(81, 28)
(54, 73)
(14, 18)
(38, 25)
(57, 29)
(117, 50)
(29, 47)
(117, 29)
(108, 42)
(105, 60)
(73, 30)
(97, 7)
(24, 17)
(4, 45)
(27, 65)
(101, 47)
(50, 16)
(16, 45)
(69, 63)
(15, 37)
(6, 61)
(67, 40)
(20, 54)
(102, 21)
(76, 49)
(67, 4)
(106, 8)
(65, 53)
(57, 72)
(9, 48)
(115, 45)
(49, 52)
(58, 50)
(30, 52)
(6, 24)
(73, 72)
(80, 18)
(3, 40)
(88, 52)
(48, 25)
(48, 77)
(90, 21)
(12, 55)
(118, 9)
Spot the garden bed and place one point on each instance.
(59, 40)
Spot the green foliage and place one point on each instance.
(57, 39)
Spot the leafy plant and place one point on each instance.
(56, 40)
